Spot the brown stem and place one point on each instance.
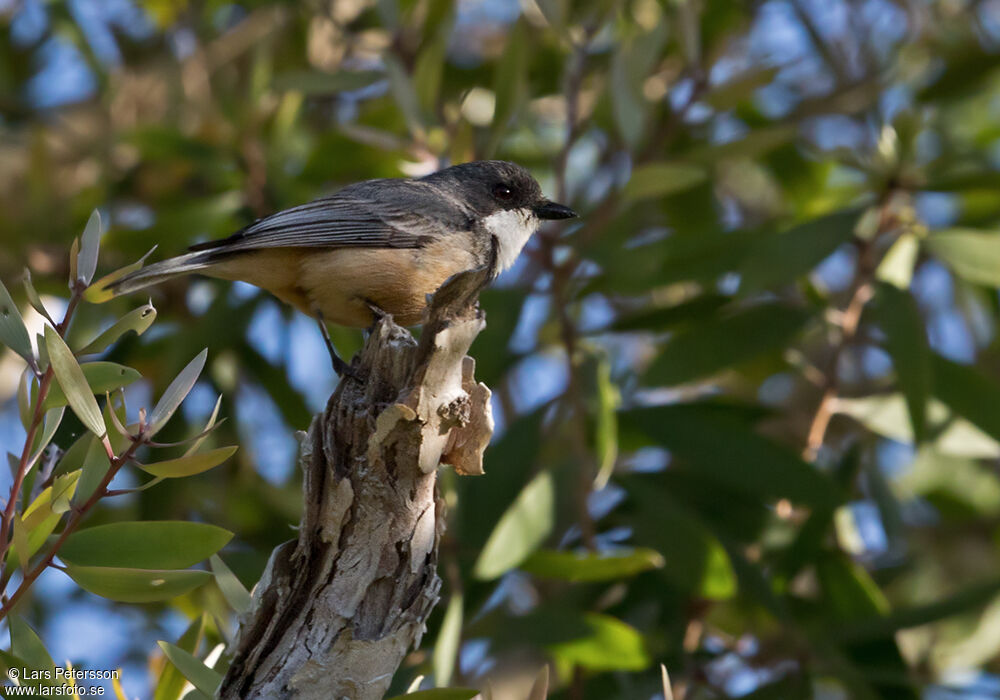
(114, 466)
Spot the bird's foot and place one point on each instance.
(342, 368)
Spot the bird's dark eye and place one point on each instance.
(502, 192)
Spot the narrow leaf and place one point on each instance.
(33, 298)
(540, 688)
(144, 545)
(592, 566)
(13, 332)
(101, 377)
(90, 243)
(137, 320)
(171, 683)
(611, 645)
(236, 595)
(973, 255)
(906, 341)
(176, 392)
(98, 292)
(26, 644)
(74, 384)
(190, 465)
(94, 468)
(710, 346)
(448, 641)
(662, 179)
(521, 529)
(440, 694)
(968, 392)
(136, 585)
(201, 676)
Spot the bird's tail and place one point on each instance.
(161, 271)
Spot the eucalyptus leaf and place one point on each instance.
(90, 243)
(449, 640)
(232, 589)
(101, 377)
(171, 683)
(189, 465)
(137, 320)
(592, 566)
(33, 298)
(74, 384)
(176, 392)
(136, 585)
(144, 544)
(200, 676)
(521, 529)
(973, 255)
(13, 332)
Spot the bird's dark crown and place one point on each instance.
(491, 185)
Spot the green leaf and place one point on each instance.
(202, 677)
(662, 179)
(973, 255)
(449, 639)
(850, 592)
(236, 595)
(136, 585)
(592, 566)
(314, 82)
(176, 392)
(144, 545)
(906, 341)
(33, 298)
(74, 384)
(510, 79)
(440, 694)
(101, 377)
(521, 529)
(969, 393)
(190, 465)
(741, 87)
(720, 447)
(13, 332)
(611, 645)
(98, 292)
(171, 683)
(711, 346)
(137, 320)
(402, 90)
(90, 243)
(50, 423)
(783, 257)
(26, 644)
(602, 403)
(897, 266)
(93, 469)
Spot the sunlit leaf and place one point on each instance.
(521, 529)
(74, 383)
(540, 688)
(592, 566)
(176, 392)
(201, 676)
(611, 645)
(93, 469)
(897, 266)
(190, 465)
(969, 393)
(973, 255)
(137, 320)
(98, 292)
(136, 585)
(448, 641)
(312, 82)
(13, 332)
(440, 694)
(144, 545)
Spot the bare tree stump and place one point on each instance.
(337, 609)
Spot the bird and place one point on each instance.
(376, 247)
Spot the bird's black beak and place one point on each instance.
(551, 210)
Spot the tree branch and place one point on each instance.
(337, 609)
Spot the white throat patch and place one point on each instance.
(512, 228)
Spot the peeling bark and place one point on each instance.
(337, 609)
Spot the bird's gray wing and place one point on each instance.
(373, 214)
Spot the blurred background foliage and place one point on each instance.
(746, 404)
